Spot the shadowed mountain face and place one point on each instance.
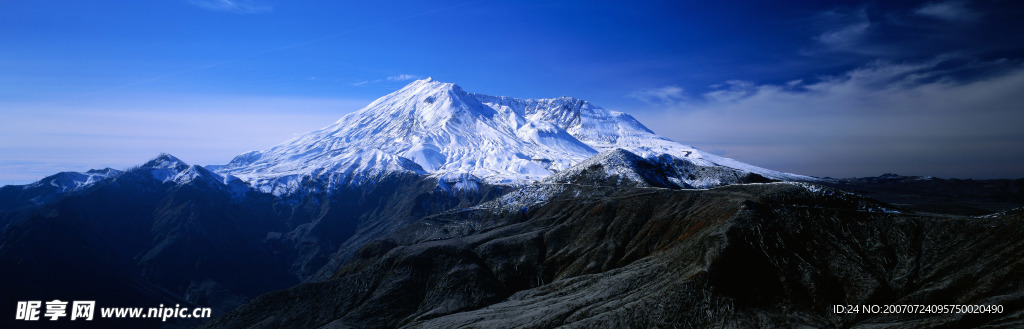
(170, 233)
(345, 219)
(135, 240)
(762, 255)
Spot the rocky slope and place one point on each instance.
(596, 254)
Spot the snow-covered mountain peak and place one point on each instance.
(162, 168)
(165, 161)
(436, 128)
(166, 168)
(422, 90)
(428, 104)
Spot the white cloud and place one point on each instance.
(233, 6)
(403, 77)
(662, 95)
(393, 78)
(730, 91)
(953, 11)
(910, 118)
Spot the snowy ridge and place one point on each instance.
(196, 174)
(166, 168)
(71, 181)
(437, 129)
(615, 167)
(163, 169)
(605, 130)
(55, 186)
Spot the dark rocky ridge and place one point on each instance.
(761, 255)
(619, 167)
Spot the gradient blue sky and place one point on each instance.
(844, 88)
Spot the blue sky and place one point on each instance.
(848, 88)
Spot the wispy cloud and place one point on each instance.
(730, 91)
(660, 96)
(953, 11)
(913, 118)
(845, 28)
(847, 36)
(361, 83)
(233, 6)
(403, 77)
(393, 78)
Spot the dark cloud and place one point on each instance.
(913, 118)
(954, 11)
(919, 88)
(900, 31)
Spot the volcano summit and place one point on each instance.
(438, 129)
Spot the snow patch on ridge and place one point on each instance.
(70, 181)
